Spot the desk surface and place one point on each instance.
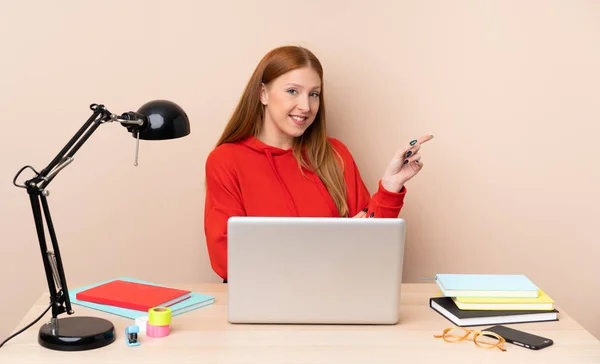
(205, 336)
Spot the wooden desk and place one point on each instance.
(205, 336)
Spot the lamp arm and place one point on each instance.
(98, 110)
(101, 115)
(36, 188)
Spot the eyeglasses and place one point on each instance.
(483, 339)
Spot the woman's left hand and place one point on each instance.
(405, 164)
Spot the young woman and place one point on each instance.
(274, 157)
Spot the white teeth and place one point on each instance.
(298, 118)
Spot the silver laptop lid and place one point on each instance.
(314, 270)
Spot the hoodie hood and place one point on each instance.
(257, 145)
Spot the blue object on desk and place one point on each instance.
(486, 285)
(197, 300)
(131, 335)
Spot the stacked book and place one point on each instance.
(132, 298)
(485, 299)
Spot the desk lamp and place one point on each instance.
(155, 120)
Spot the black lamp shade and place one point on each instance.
(164, 120)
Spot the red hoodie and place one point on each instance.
(250, 178)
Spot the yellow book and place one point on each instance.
(542, 302)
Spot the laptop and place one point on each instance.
(314, 270)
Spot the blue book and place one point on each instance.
(486, 285)
(196, 300)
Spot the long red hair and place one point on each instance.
(247, 120)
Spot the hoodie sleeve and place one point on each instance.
(223, 200)
(383, 203)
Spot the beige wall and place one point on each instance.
(509, 88)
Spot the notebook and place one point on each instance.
(195, 301)
(486, 285)
(542, 302)
(445, 306)
(133, 295)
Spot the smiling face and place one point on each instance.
(291, 103)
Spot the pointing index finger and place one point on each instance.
(421, 140)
